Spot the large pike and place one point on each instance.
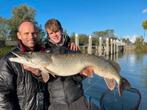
(71, 64)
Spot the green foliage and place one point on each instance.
(4, 29)
(104, 34)
(139, 43)
(4, 50)
(8, 27)
(20, 13)
(83, 38)
(126, 40)
(144, 24)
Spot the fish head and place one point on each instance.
(32, 59)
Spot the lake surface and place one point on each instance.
(134, 68)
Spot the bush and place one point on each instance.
(4, 50)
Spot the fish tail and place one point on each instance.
(123, 84)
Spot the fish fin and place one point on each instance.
(45, 76)
(110, 83)
(50, 72)
(123, 84)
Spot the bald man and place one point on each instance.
(19, 89)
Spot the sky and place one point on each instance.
(87, 16)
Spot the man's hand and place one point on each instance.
(34, 71)
(37, 72)
(88, 71)
(74, 47)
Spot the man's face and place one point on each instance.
(27, 34)
(55, 37)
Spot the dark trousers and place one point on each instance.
(80, 104)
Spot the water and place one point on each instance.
(134, 68)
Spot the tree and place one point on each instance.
(139, 43)
(4, 29)
(83, 38)
(126, 40)
(8, 27)
(144, 25)
(20, 13)
(104, 34)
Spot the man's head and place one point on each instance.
(54, 30)
(27, 34)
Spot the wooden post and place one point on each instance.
(117, 43)
(96, 50)
(77, 39)
(114, 49)
(111, 45)
(90, 45)
(100, 46)
(107, 47)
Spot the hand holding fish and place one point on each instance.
(34, 71)
(74, 47)
(88, 71)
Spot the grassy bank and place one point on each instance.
(4, 50)
(141, 50)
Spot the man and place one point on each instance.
(18, 88)
(66, 93)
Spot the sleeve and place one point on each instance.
(39, 78)
(8, 99)
(67, 41)
(79, 77)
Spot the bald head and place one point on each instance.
(27, 34)
(25, 24)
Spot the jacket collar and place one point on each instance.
(23, 48)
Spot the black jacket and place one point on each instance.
(18, 88)
(63, 90)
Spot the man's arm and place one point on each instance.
(8, 97)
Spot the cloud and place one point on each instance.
(144, 10)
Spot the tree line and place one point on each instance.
(8, 28)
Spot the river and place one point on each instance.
(134, 68)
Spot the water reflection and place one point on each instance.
(133, 67)
(144, 75)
